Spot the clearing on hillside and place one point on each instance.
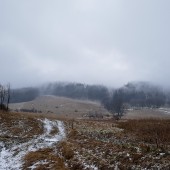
(61, 106)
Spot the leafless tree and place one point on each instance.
(118, 104)
(8, 95)
(4, 96)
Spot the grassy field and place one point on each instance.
(147, 114)
(71, 108)
(91, 144)
(61, 106)
(131, 144)
(140, 140)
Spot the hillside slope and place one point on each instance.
(60, 105)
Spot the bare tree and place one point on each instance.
(5, 95)
(118, 104)
(2, 96)
(8, 95)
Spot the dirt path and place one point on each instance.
(11, 159)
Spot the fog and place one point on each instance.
(88, 41)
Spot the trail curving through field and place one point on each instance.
(12, 158)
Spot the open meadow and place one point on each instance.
(47, 140)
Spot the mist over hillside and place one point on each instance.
(138, 94)
(70, 90)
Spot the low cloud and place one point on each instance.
(91, 41)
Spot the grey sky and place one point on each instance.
(106, 42)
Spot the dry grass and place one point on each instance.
(66, 150)
(154, 131)
(128, 144)
(19, 126)
(146, 114)
(62, 106)
(51, 160)
(54, 131)
(107, 144)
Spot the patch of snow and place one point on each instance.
(138, 149)
(34, 166)
(162, 154)
(91, 167)
(116, 167)
(165, 110)
(11, 159)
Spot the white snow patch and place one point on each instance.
(11, 159)
(43, 162)
(91, 167)
(165, 110)
(162, 154)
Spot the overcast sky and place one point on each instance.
(109, 42)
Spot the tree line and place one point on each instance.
(24, 94)
(70, 90)
(76, 91)
(135, 95)
(139, 94)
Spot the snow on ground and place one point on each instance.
(165, 110)
(38, 163)
(11, 159)
(93, 167)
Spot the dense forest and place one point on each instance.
(24, 94)
(70, 90)
(141, 95)
(136, 94)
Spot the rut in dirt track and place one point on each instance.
(11, 159)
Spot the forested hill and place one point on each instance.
(138, 94)
(24, 94)
(70, 90)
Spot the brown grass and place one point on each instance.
(53, 162)
(103, 143)
(154, 131)
(146, 114)
(19, 125)
(61, 106)
(22, 127)
(66, 150)
(131, 143)
(54, 131)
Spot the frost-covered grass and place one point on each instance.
(152, 131)
(19, 126)
(28, 142)
(113, 145)
(13, 154)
